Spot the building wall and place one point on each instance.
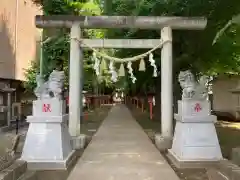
(18, 37)
(7, 40)
(223, 99)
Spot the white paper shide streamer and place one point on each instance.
(96, 66)
(113, 72)
(152, 61)
(130, 71)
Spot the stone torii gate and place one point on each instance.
(164, 24)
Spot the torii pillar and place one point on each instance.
(75, 81)
(164, 140)
(166, 84)
(76, 87)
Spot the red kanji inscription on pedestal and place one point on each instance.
(197, 107)
(46, 108)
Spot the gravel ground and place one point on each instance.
(7, 138)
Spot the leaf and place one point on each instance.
(236, 19)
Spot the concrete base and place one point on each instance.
(48, 144)
(180, 164)
(79, 142)
(163, 143)
(195, 138)
(52, 165)
(47, 141)
(196, 141)
(59, 174)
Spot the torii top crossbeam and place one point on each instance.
(140, 22)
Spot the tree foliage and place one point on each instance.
(57, 46)
(192, 49)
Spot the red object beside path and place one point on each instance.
(150, 101)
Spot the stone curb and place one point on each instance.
(15, 171)
(29, 175)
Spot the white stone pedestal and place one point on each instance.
(195, 138)
(48, 143)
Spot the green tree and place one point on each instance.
(192, 49)
(57, 47)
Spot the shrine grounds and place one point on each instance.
(228, 133)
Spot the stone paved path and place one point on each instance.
(121, 150)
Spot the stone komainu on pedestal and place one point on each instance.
(48, 143)
(195, 137)
(51, 88)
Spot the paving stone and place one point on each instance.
(121, 150)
